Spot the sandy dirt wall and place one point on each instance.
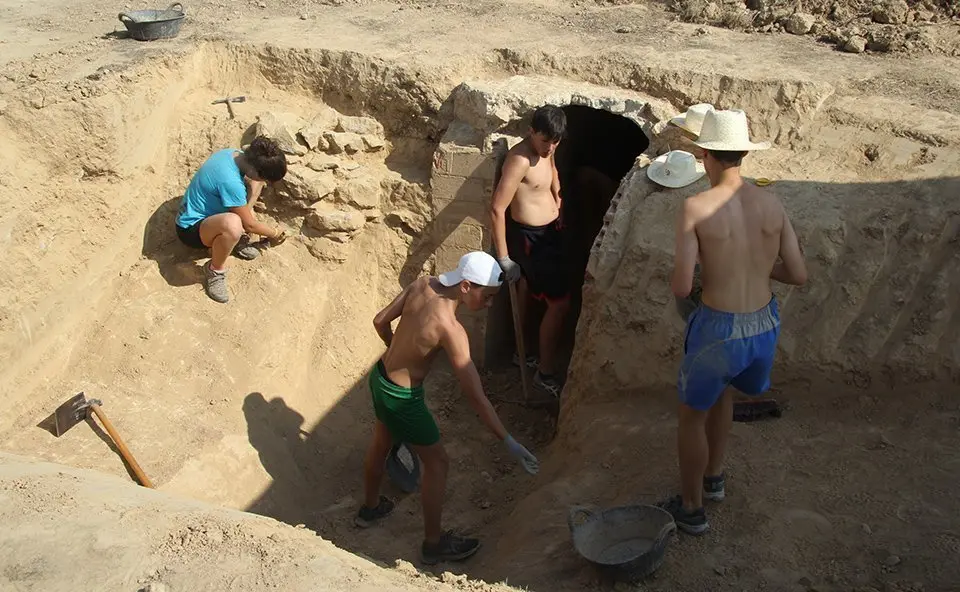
(73, 529)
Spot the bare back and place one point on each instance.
(738, 231)
(425, 316)
(534, 203)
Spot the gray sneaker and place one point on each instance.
(216, 283)
(244, 250)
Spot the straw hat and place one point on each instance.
(675, 169)
(692, 120)
(727, 130)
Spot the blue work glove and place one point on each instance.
(529, 461)
(511, 269)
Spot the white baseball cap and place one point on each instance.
(477, 267)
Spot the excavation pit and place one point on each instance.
(261, 405)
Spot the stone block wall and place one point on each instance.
(461, 184)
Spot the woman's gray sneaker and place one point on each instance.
(215, 283)
(244, 250)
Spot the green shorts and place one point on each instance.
(402, 410)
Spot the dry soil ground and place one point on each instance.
(261, 405)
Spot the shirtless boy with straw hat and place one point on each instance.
(743, 238)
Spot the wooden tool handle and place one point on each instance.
(124, 451)
(518, 333)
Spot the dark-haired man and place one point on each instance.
(217, 207)
(529, 241)
(744, 240)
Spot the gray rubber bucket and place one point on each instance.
(149, 25)
(627, 543)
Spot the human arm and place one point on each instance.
(457, 346)
(511, 175)
(253, 190)
(254, 226)
(239, 198)
(382, 320)
(686, 250)
(555, 184)
(791, 268)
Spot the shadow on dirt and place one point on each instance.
(176, 261)
(306, 467)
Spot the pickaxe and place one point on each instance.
(229, 100)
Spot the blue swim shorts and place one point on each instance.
(724, 348)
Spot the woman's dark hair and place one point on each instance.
(550, 121)
(267, 158)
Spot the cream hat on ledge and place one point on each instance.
(727, 131)
(675, 169)
(692, 119)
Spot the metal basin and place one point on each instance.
(149, 25)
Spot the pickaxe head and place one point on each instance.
(72, 412)
(229, 100)
(240, 99)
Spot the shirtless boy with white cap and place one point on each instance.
(428, 323)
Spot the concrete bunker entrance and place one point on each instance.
(599, 150)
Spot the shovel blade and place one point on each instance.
(69, 414)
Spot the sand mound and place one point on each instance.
(130, 538)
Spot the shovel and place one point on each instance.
(76, 409)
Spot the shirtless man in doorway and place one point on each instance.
(744, 240)
(428, 323)
(529, 241)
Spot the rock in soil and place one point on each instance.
(890, 12)
(312, 135)
(362, 192)
(855, 44)
(372, 142)
(326, 218)
(800, 23)
(324, 162)
(282, 128)
(306, 186)
(348, 142)
(360, 126)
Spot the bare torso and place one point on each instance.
(739, 241)
(534, 203)
(416, 341)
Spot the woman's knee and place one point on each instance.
(232, 226)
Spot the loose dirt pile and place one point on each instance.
(854, 26)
